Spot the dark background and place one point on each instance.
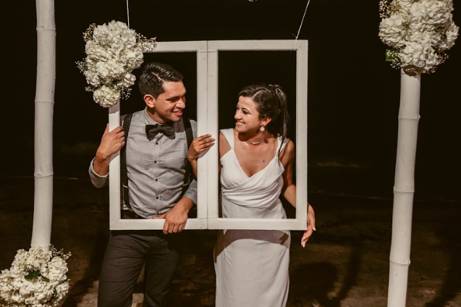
(353, 93)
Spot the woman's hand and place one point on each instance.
(310, 225)
(199, 146)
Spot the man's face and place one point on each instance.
(169, 106)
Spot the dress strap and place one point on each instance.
(229, 135)
(281, 146)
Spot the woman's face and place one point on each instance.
(247, 116)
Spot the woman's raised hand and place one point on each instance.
(200, 146)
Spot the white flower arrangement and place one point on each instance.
(418, 33)
(37, 278)
(113, 51)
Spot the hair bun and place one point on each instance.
(273, 87)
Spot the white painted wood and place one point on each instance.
(212, 157)
(43, 133)
(246, 45)
(301, 47)
(207, 119)
(145, 224)
(301, 131)
(114, 172)
(404, 189)
(268, 224)
(202, 128)
(116, 222)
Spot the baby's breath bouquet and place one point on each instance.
(113, 51)
(417, 32)
(37, 278)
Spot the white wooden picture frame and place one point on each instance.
(200, 222)
(207, 122)
(300, 47)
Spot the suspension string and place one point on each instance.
(128, 12)
(302, 20)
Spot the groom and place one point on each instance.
(155, 152)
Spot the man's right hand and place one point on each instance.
(111, 143)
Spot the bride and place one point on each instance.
(257, 161)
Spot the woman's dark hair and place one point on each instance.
(271, 102)
(153, 75)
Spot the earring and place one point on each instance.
(262, 128)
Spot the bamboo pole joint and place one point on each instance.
(401, 263)
(44, 28)
(400, 190)
(410, 117)
(43, 174)
(44, 101)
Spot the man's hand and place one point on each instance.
(111, 143)
(200, 146)
(176, 217)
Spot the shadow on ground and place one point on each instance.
(345, 263)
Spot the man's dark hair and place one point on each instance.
(153, 75)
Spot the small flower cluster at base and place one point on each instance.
(418, 32)
(113, 51)
(37, 277)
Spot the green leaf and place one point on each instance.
(31, 275)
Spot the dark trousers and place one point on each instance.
(126, 253)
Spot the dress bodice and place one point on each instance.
(255, 196)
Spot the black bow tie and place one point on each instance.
(152, 130)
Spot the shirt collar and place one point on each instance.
(148, 119)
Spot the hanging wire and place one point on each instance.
(128, 12)
(302, 20)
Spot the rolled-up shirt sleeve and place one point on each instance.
(191, 191)
(96, 179)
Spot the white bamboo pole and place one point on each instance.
(404, 189)
(44, 103)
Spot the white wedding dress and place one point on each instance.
(251, 265)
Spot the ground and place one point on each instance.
(345, 264)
